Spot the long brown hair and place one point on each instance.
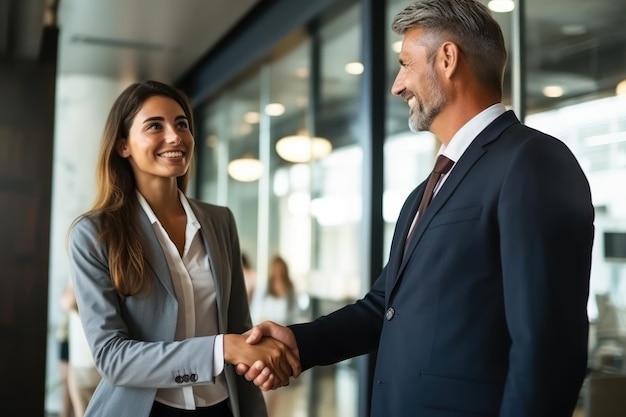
(279, 273)
(116, 202)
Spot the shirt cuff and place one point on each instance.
(218, 355)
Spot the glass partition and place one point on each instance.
(230, 132)
(576, 75)
(295, 115)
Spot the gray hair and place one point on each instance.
(467, 23)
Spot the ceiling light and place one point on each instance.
(245, 169)
(553, 91)
(244, 129)
(501, 6)
(620, 90)
(302, 72)
(354, 68)
(252, 117)
(274, 109)
(302, 147)
(212, 141)
(573, 29)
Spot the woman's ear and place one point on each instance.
(122, 148)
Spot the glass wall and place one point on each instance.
(295, 115)
(230, 130)
(576, 65)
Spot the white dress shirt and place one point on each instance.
(463, 138)
(197, 308)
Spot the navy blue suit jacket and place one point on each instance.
(486, 313)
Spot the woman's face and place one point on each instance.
(159, 144)
(278, 275)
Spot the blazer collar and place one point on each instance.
(209, 238)
(213, 249)
(155, 257)
(153, 253)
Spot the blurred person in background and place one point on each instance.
(62, 337)
(82, 377)
(249, 275)
(278, 303)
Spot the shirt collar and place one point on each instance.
(468, 132)
(191, 217)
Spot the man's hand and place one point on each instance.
(268, 358)
(259, 373)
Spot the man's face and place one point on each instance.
(418, 83)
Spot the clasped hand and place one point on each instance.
(268, 356)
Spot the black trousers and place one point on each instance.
(217, 410)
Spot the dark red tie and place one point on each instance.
(443, 164)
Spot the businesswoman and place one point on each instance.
(158, 276)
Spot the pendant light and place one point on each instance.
(301, 147)
(247, 168)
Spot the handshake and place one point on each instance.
(267, 355)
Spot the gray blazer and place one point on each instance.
(132, 338)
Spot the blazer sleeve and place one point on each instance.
(545, 217)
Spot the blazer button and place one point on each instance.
(186, 378)
(194, 377)
(179, 379)
(390, 313)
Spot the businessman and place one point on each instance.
(481, 309)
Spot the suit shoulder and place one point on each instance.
(214, 213)
(525, 140)
(207, 207)
(84, 226)
(525, 133)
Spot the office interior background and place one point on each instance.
(298, 133)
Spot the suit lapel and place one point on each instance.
(402, 228)
(473, 153)
(209, 237)
(153, 253)
(212, 247)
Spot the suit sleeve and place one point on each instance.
(348, 332)
(545, 216)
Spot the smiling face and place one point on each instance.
(418, 82)
(159, 144)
